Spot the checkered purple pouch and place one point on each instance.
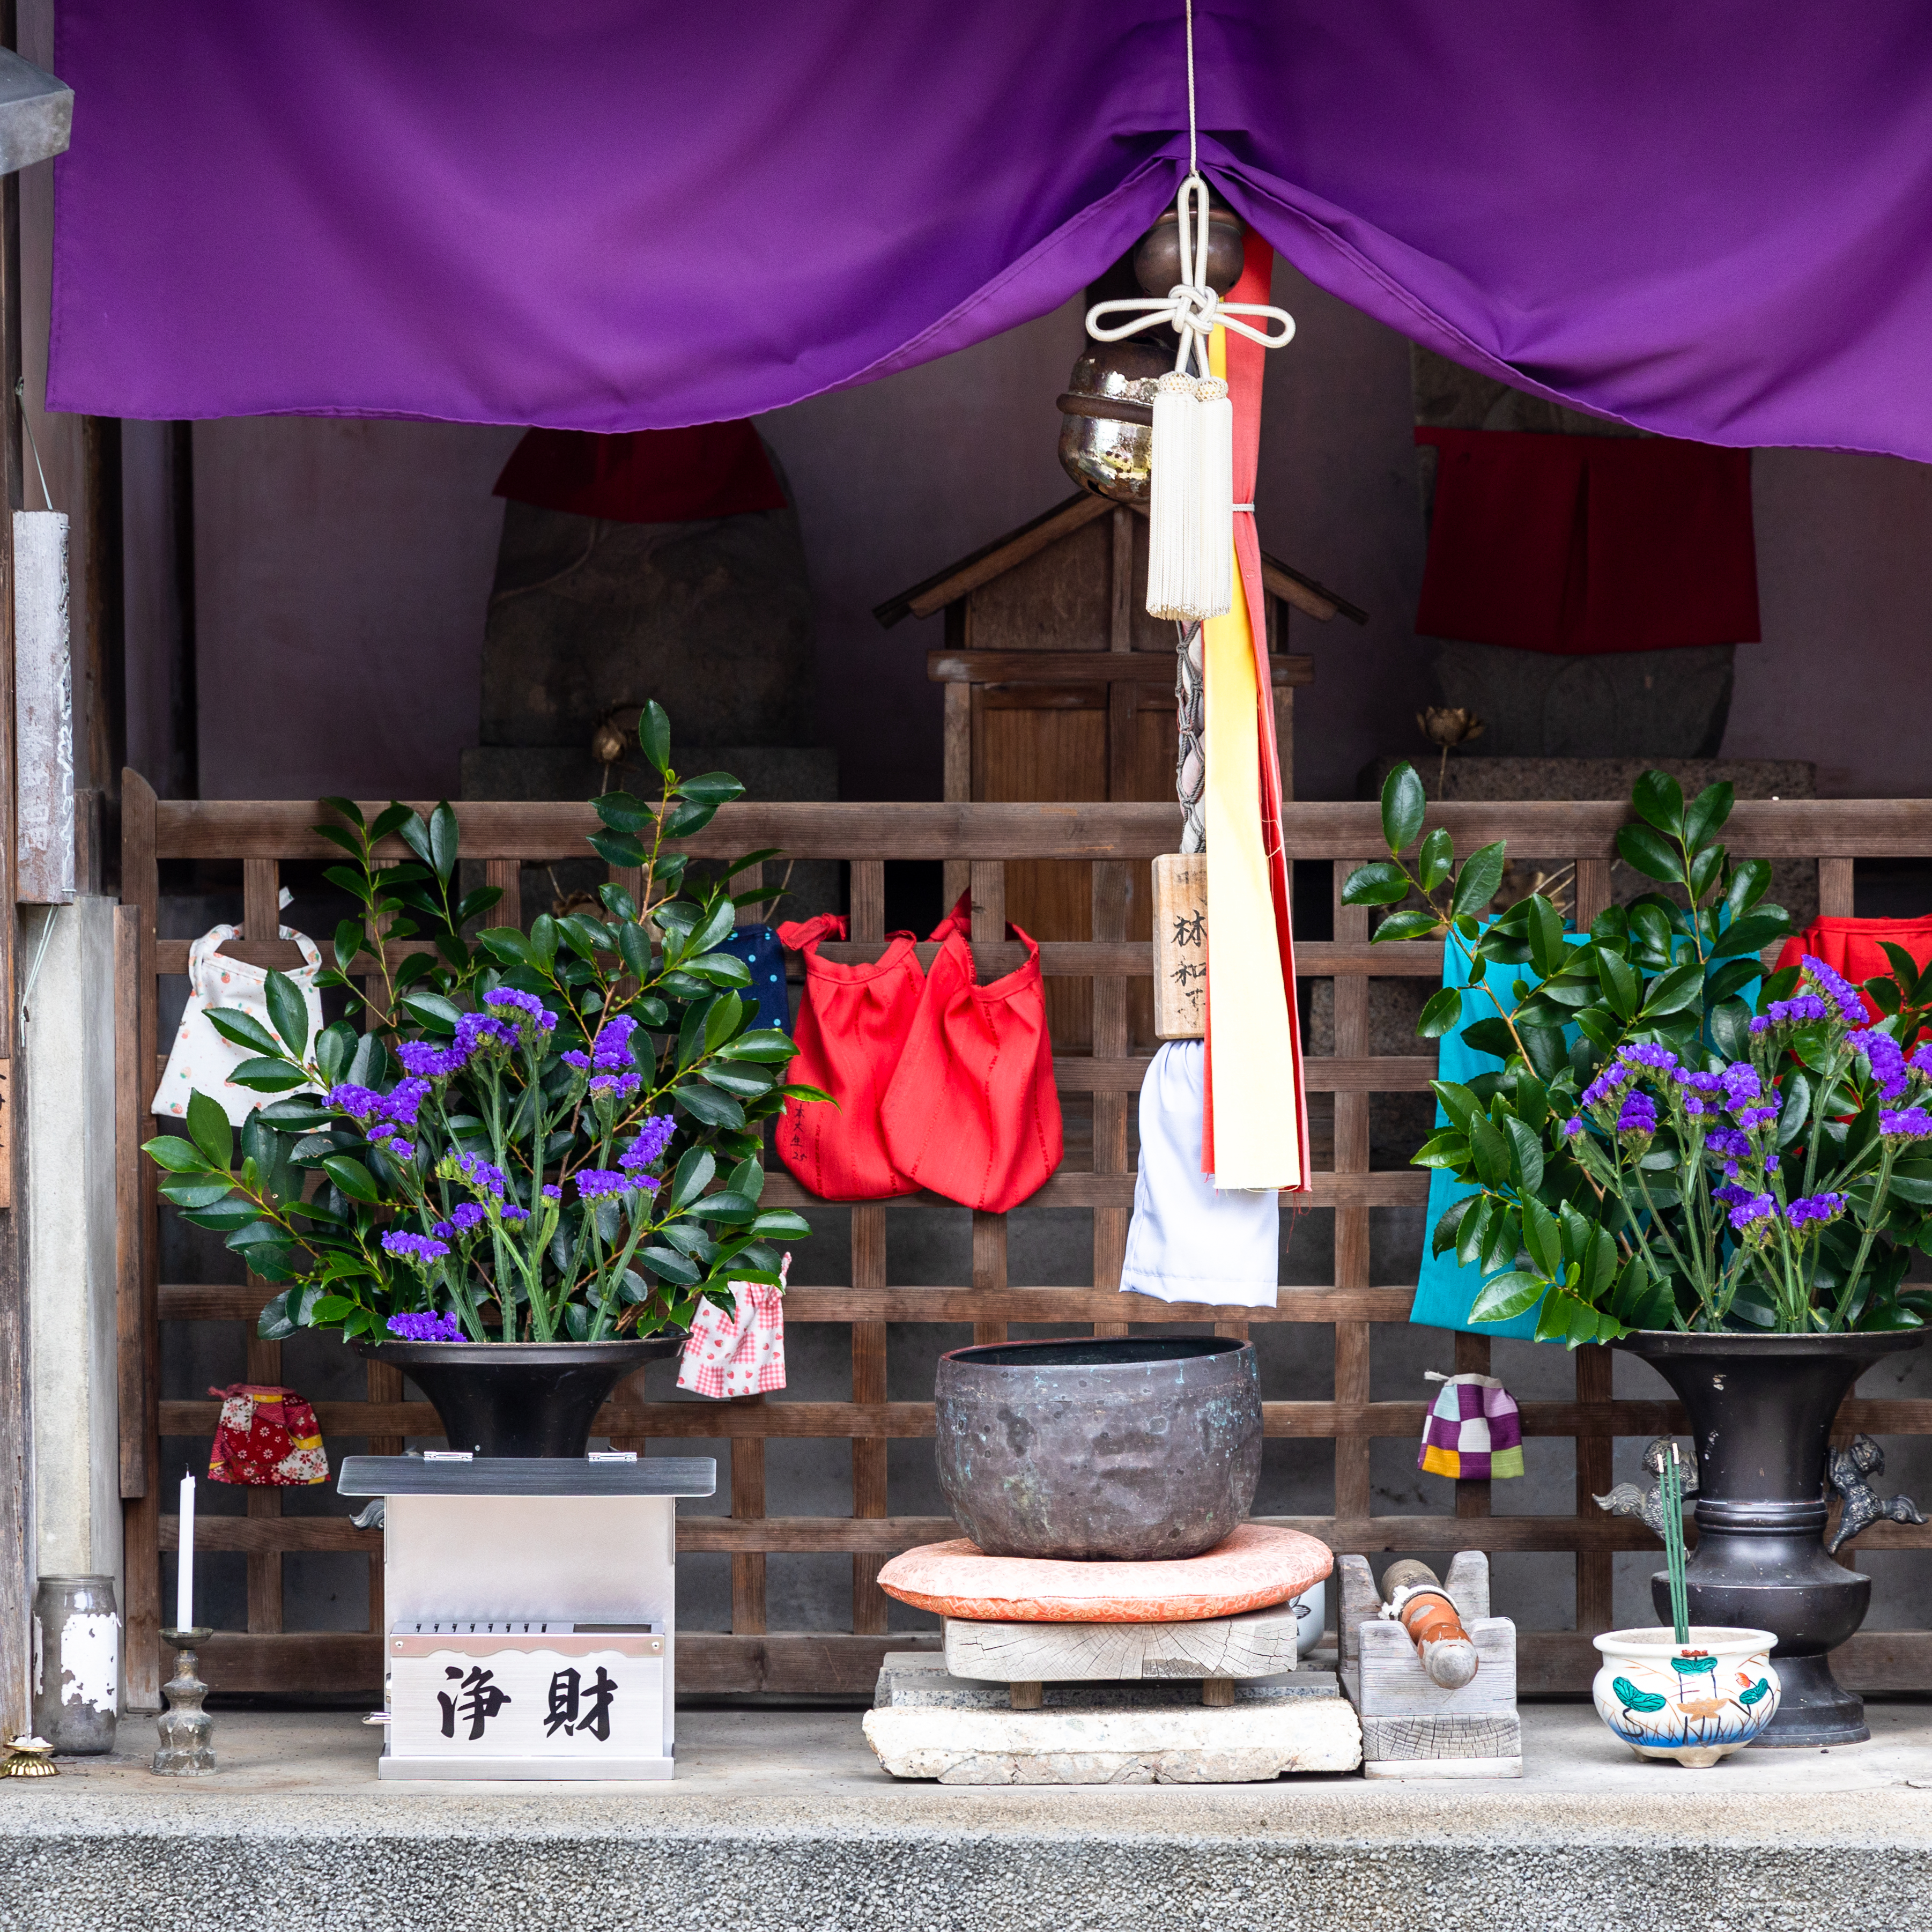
(1473, 1433)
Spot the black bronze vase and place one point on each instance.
(1761, 1409)
(520, 1398)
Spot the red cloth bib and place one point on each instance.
(267, 1438)
(972, 1113)
(1856, 947)
(852, 1025)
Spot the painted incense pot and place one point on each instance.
(1761, 1409)
(1697, 1701)
(1125, 1447)
(520, 1398)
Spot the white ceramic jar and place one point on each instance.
(1697, 1701)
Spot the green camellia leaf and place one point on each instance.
(1381, 882)
(1622, 987)
(669, 1265)
(444, 838)
(688, 816)
(1795, 1109)
(273, 1323)
(1447, 1149)
(1526, 1156)
(1672, 992)
(1456, 1100)
(1753, 933)
(1436, 860)
(723, 1206)
(176, 1155)
(1441, 1014)
(223, 1216)
(184, 1191)
(1444, 1234)
(1659, 798)
(783, 1222)
(722, 969)
(1476, 884)
(747, 1086)
(1491, 1036)
(1489, 1149)
(1472, 1237)
(689, 1179)
(267, 1076)
(708, 1106)
(242, 1029)
(1542, 1237)
(622, 849)
(1708, 812)
(1645, 851)
(654, 736)
(765, 1044)
(353, 1177)
(1504, 1296)
(1404, 802)
(208, 1126)
(711, 788)
(1408, 925)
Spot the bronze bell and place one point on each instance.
(1157, 260)
(1106, 433)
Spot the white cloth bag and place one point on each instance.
(200, 1059)
(1189, 1240)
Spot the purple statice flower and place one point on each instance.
(1699, 1083)
(1920, 1061)
(610, 1050)
(617, 1086)
(552, 1193)
(1639, 1115)
(1695, 1105)
(401, 1149)
(592, 1182)
(1756, 1116)
(1837, 989)
(1728, 1142)
(511, 1212)
(1752, 1217)
(1607, 1084)
(426, 1062)
(653, 1137)
(1815, 1209)
(480, 1175)
(1573, 1128)
(400, 1102)
(463, 1217)
(1741, 1084)
(362, 1103)
(476, 1030)
(421, 1248)
(429, 1326)
(1802, 1010)
(1886, 1058)
(1648, 1053)
(581, 1061)
(1732, 1194)
(1905, 1123)
(532, 1008)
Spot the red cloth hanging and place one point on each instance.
(1578, 544)
(852, 1027)
(1856, 947)
(647, 476)
(1246, 363)
(972, 1112)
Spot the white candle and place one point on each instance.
(184, 1571)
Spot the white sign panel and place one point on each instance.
(477, 1697)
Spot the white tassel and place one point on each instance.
(1191, 517)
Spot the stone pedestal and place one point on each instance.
(928, 1723)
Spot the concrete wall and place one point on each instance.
(67, 1037)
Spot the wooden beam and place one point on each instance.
(1850, 828)
(1095, 667)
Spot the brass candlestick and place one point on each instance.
(187, 1730)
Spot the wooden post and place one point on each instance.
(1181, 946)
(868, 923)
(1113, 885)
(1352, 1492)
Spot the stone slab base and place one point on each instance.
(929, 1724)
(1257, 1643)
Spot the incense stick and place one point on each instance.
(1671, 1484)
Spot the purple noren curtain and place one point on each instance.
(1711, 220)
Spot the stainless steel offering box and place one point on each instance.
(531, 1607)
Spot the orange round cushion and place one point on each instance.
(1257, 1566)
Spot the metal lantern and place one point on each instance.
(1106, 438)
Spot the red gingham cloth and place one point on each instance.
(739, 1353)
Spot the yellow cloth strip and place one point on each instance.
(1251, 1050)
(1443, 1462)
